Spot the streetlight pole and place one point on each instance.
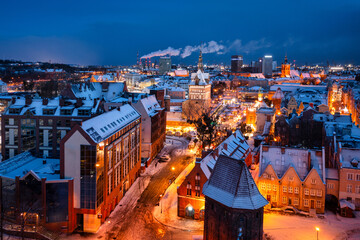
(160, 204)
(317, 232)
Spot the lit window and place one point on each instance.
(296, 190)
(284, 200)
(269, 187)
(313, 181)
(306, 191)
(274, 187)
(296, 201)
(284, 189)
(306, 202)
(263, 186)
(318, 204)
(312, 192)
(319, 193)
(290, 189)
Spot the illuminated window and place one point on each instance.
(319, 193)
(296, 201)
(318, 204)
(306, 202)
(274, 187)
(306, 191)
(296, 190)
(312, 192)
(290, 189)
(284, 189)
(284, 200)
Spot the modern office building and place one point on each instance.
(102, 155)
(164, 65)
(267, 66)
(236, 63)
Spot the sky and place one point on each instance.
(112, 32)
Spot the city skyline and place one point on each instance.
(113, 33)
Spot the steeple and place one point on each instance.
(286, 61)
(200, 64)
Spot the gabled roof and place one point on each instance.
(232, 185)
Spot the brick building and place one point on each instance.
(102, 155)
(38, 125)
(190, 198)
(234, 207)
(293, 177)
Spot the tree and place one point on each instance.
(28, 85)
(357, 77)
(206, 128)
(49, 89)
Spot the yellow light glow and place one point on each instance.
(317, 229)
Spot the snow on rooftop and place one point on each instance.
(101, 127)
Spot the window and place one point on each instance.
(350, 176)
(284, 200)
(263, 186)
(284, 189)
(290, 190)
(49, 111)
(313, 181)
(330, 186)
(87, 176)
(274, 187)
(197, 191)
(312, 192)
(357, 177)
(349, 188)
(306, 191)
(306, 202)
(319, 193)
(110, 183)
(296, 190)
(357, 189)
(291, 179)
(188, 189)
(318, 204)
(269, 187)
(273, 198)
(197, 179)
(296, 201)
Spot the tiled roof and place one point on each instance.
(232, 185)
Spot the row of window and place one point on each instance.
(295, 201)
(350, 176)
(295, 190)
(349, 188)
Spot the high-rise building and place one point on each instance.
(164, 65)
(285, 68)
(236, 63)
(267, 66)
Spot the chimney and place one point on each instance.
(311, 105)
(78, 102)
(44, 160)
(354, 163)
(28, 100)
(130, 100)
(197, 161)
(225, 146)
(45, 101)
(61, 102)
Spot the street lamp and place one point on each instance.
(160, 204)
(317, 232)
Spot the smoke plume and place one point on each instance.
(211, 47)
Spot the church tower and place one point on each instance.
(200, 63)
(285, 68)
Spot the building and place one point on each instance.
(293, 177)
(38, 125)
(3, 87)
(102, 155)
(34, 192)
(236, 63)
(164, 65)
(199, 94)
(176, 92)
(285, 69)
(191, 201)
(234, 207)
(153, 129)
(267, 66)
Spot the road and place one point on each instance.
(138, 223)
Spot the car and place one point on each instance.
(164, 158)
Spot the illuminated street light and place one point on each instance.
(173, 168)
(317, 232)
(160, 204)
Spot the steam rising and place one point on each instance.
(211, 47)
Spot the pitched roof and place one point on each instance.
(103, 126)
(232, 185)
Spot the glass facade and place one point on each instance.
(57, 202)
(88, 177)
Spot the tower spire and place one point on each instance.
(200, 63)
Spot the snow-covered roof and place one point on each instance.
(151, 105)
(201, 76)
(24, 164)
(92, 90)
(103, 126)
(278, 94)
(349, 157)
(232, 185)
(234, 146)
(282, 158)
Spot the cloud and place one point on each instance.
(169, 51)
(250, 46)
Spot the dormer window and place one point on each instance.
(49, 111)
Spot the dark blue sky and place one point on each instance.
(111, 32)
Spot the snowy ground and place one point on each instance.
(166, 212)
(281, 227)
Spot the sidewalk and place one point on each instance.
(166, 212)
